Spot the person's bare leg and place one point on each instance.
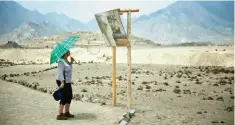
(61, 116)
(67, 113)
(67, 106)
(61, 108)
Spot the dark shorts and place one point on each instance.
(67, 93)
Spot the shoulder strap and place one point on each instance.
(64, 76)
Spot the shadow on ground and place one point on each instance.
(85, 116)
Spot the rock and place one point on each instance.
(178, 81)
(85, 99)
(215, 121)
(20, 82)
(123, 92)
(148, 87)
(132, 112)
(96, 101)
(229, 109)
(76, 97)
(140, 88)
(158, 90)
(103, 103)
(144, 82)
(210, 98)
(220, 99)
(177, 91)
(123, 122)
(35, 83)
(127, 116)
(201, 93)
(82, 96)
(165, 83)
(216, 84)
(120, 78)
(199, 112)
(197, 82)
(41, 89)
(187, 91)
(84, 90)
(45, 90)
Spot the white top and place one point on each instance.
(64, 72)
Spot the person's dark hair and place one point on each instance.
(64, 54)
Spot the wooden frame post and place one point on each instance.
(129, 98)
(114, 75)
(129, 83)
(111, 27)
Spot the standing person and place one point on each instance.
(64, 80)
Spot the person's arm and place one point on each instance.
(72, 60)
(61, 73)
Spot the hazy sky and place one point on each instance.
(85, 10)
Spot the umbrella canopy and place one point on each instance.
(61, 48)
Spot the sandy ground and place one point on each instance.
(163, 92)
(24, 106)
(142, 54)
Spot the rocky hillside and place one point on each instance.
(186, 21)
(13, 15)
(29, 31)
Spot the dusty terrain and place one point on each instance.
(170, 85)
(141, 54)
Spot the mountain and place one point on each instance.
(185, 21)
(182, 21)
(222, 9)
(30, 30)
(64, 22)
(92, 26)
(13, 15)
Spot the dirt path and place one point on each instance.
(24, 106)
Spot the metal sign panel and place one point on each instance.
(111, 26)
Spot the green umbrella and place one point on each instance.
(61, 48)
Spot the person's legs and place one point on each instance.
(60, 115)
(67, 106)
(68, 101)
(67, 112)
(61, 108)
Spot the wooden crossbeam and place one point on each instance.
(122, 42)
(127, 10)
